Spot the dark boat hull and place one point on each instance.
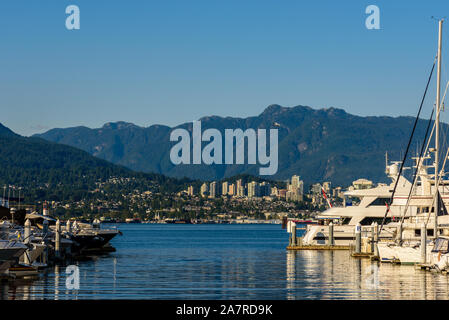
(93, 241)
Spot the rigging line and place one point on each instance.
(444, 163)
(437, 185)
(418, 164)
(408, 146)
(439, 177)
(440, 108)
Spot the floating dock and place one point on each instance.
(362, 255)
(318, 247)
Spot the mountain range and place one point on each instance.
(317, 144)
(52, 171)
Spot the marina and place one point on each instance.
(221, 152)
(413, 227)
(32, 242)
(155, 261)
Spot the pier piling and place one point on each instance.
(45, 239)
(376, 239)
(399, 232)
(27, 241)
(293, 227)
(358, 238)
(58, 239)
(423, 244)
(331, 234)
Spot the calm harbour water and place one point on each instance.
(226, 262)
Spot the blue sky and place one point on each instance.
(168, 62)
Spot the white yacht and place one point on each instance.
(371, 208)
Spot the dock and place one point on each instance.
(318, 247)
(363, 255)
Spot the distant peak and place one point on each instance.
(272, 109)
(332, 111)
(4, 131)
(119, 125)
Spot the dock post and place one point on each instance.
(358, 238)
(27, 241)
(331, 234)
(423, 244)
(376, 239)
(293, 234)
(399, 231)
(45, 232)
(58, 239)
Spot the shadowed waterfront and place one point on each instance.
(226, 262)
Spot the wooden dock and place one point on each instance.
(361, 255)
(318, 247)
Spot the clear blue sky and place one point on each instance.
(168, 62)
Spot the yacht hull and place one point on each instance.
(93, 241)
(10, 253)
(403, 254)
(386, 252)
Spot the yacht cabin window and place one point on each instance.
(380, 202)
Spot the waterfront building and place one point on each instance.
(327, 187)
(316, 189)
(231, 190)
(240, 190)
(282, 193)
(224, 188)
(293, 195)
(296, 181)
(204, 189)
(213, 189)
(190, 191)
(253, 189)
(337, 193)
(295, 189)
(264, 189)
(238, 184)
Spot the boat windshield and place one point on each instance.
(380, 202)
(441, 245)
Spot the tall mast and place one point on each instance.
(437, 122)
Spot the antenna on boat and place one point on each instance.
(4, 195)
(437, 119)
(9, 192)
(386, 162)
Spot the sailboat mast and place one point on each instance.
(437, 121)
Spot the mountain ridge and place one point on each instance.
(317, 144)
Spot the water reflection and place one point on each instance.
(335, 275)
(226, 262)
(56, 282)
